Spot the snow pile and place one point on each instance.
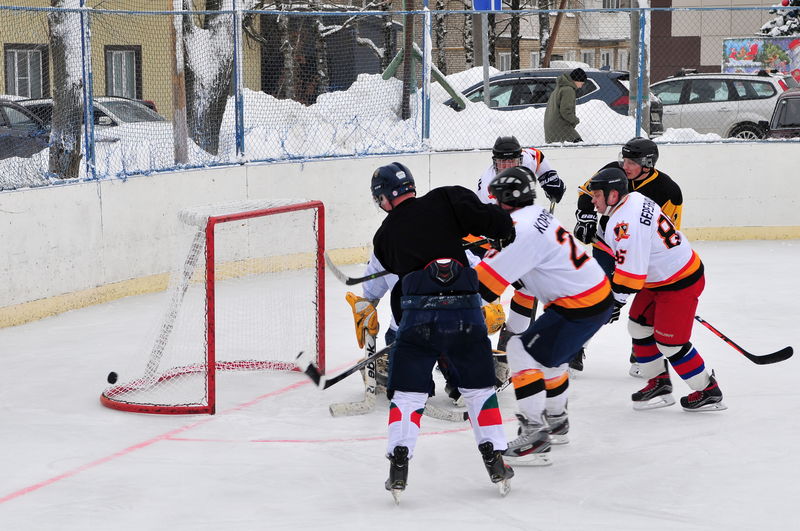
(363, 120)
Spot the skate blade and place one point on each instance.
(717, 406)
(534, 459)
(635, 371)
(654, 403)
(559, 439)
(396, 495)
(504, 487)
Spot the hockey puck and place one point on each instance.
(112, 377)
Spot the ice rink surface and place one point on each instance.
(273, 458)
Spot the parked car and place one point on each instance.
(22, 134)
(729, 105)
(109, 111)
(519, 89)
(785, 122)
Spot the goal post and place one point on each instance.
(246, 293)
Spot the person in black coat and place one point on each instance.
(438, 308)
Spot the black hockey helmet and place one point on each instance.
(514, 187)
(392, 181)
(642, 151)
(609, 179)
(506, 147)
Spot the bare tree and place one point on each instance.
(208, 53)
(440, 37)
(64, 32)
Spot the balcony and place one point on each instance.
(604, 26)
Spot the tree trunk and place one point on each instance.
(544, 32)
(65, 132)
(389, 44)
(440, 34)
(408, 61)
(469, 41)
(515, 35)
(207, 90)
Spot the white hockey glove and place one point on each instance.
(365, 316)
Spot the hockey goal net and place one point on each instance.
(246, 294)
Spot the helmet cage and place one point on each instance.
(513, 187)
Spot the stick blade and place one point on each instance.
(775, 357)
(306, 365)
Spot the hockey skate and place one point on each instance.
(708, 399)
(499, 472)
(558, 426)
(532, 447)
(398, 472)
(657, 393)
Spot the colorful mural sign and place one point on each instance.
(751, 54)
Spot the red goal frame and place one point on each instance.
(107, 397)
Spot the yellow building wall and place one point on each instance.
(150, 31)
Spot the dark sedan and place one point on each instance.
(22, 134)
(519, 89)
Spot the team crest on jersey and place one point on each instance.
(621, 232)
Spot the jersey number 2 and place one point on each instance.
(578, 257)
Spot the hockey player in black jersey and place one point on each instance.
(638, 160)
(437, 306)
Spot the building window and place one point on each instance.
(610, 4)
(587, 56)
(606, 59)
(124, 71)
(505, 61)
(535, 60)
(27, 70)
(622, 56)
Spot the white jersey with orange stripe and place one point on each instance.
(650, 252)
(549, 261)
(532, 158)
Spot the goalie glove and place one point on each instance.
(586, 228)
(494, 316)
(552, 185)
(365, 316)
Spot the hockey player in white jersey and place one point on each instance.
(508, 153)
(655, 262)
(576, 295)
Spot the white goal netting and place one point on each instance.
(246, 294)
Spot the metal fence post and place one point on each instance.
(88, 92)
(426, 73)
(640, 77)
(237, 79)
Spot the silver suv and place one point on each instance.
(729, 105)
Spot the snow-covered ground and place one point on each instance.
(273, 458)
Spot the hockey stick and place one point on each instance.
(344, 409)
(351, 281)
(307, 366)
(764, 359)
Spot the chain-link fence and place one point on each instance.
(104, 91)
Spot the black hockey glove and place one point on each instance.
(502, 243)
(586, 228)
(616, 311)
(552, 185)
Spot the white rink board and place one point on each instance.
(65, 239)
